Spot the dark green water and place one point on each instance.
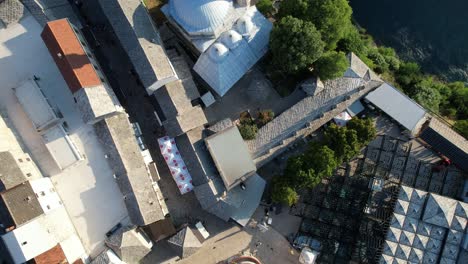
(431, 32)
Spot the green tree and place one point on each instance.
(353, 42)
(321, 159)
(295, 44)
(282, 193)
(427, 94)
(408, 75)
(380, 64)
(332, 18)
(299, 174)
(364, 128)
(294, 8)
(331, 65)
(344, 142)
(265, 7)
(462, 127)
(248, 130)
(459, 99)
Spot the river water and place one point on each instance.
(431, 32)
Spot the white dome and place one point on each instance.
(218, 52)
(244, 25)
(201, 15)
(231, 39)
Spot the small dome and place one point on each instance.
(231, 39)
(201, 15)
(244, 25)
(218, 52)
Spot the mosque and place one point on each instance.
(230, 36)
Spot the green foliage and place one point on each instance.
(427, 94)
(365, 129)
(264, 117)
(332, 18)
(282, 193)
(295, 44)
(294, 8)
(321, 158)
(459, 99)
(344, 142)
(248, 129)
(331, 65)
(462, 127)
(407, 75)
(265, 7)
(353, 42)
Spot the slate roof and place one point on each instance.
(11, 11)
(140, 39)
(398, 106)
(445, 140)
(308, 110)
(184, 242)
(10, 173)
(316, 110)
(20, 205)
(209, 188)
(127, 243)
(175, 101)
(117, 138)
(436, 235)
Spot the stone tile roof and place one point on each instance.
(445, 140)
(140, 39)
(116, 135)
(184, 243)
(310, 109)
(127, 244)
(438, 234)
(10, 173)
(11, 11)
(20, 205)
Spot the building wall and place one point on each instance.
(46, 194)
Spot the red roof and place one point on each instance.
(54, 255)
(69, 55)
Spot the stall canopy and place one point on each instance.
(342, 119)
(176, 164)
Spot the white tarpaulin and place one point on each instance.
(176, 164)
(342, 119)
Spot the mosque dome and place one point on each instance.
(201, 15)
(244, 25)
(218, 52)
(231, 39)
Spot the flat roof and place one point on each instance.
(35, 104)
(398, 106)
(60, 147)
(88, 189)
(231, 156)
(38, 236)
(69, 55)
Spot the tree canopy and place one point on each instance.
(332, 18)
(282, 193)
(364, 128)
(331, 65)
(295, 44)
(265, 6)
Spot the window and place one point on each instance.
(48, 207)
(42, 193)
(20, 160)
(28, 174)
(28, 159)
(24, 243)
